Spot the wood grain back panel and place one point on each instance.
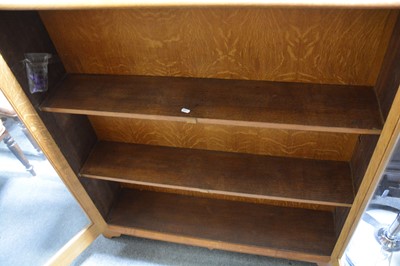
(300, 45)
(276, 142)
(281, 203)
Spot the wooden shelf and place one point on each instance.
(316, 107)
(223, 173)
(245, 227)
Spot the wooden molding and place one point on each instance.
(75, 246)
(213, 244)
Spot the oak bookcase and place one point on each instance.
(285, 107)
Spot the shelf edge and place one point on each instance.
(219, 192)
(213, 244)
(194, 120)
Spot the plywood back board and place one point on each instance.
(300, 45)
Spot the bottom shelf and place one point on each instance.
(293, 233)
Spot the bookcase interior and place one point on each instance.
(285, 109)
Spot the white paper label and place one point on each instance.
(185, 110)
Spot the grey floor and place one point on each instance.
(136, 251)
(38, 216)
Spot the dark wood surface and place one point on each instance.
(361, 156)
(389, 79)
(236, 174)
(352, 109)
(23, 32)
(340, 216)
(292, 229)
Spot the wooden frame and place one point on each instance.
(388, 80)
(379, 160)
(75, 246)
(27, 114)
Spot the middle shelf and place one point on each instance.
(224, 173)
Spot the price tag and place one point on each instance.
(185, 110)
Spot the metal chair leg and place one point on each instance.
(29, 137)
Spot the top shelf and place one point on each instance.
(297, 106)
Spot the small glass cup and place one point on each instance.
(36, 71)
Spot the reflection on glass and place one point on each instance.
(376, 241)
